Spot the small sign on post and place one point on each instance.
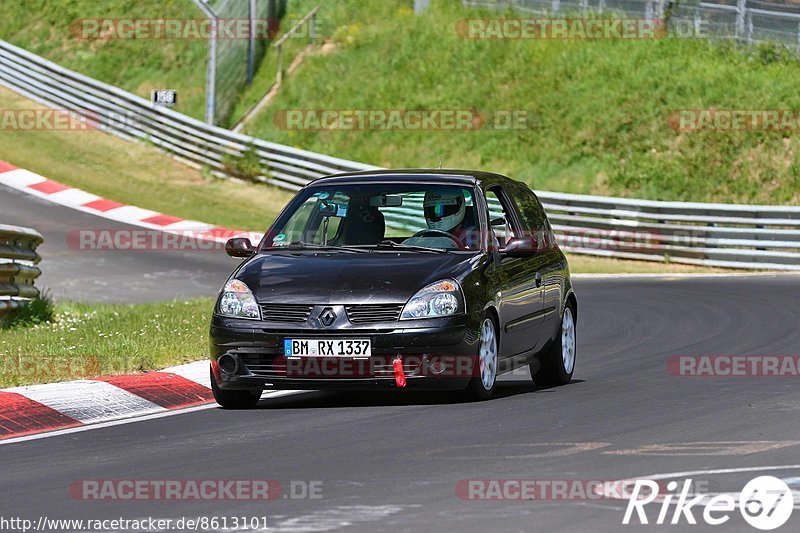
(167, 98)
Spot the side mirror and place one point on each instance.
(239, 247)
(520, 247)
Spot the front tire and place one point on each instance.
(557, 362)
(481, 386)
(234, 399)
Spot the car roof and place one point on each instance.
(470, 177)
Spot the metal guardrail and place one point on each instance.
(18, 270)
(746, 21)
(721, 235)
(312, 17)
(132, 117)
(736, 236)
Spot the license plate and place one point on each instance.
(327, 347)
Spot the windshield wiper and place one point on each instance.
(395, 246)
(300, 245)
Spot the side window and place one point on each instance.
(533, 216)
(317, 221)
(502, 226)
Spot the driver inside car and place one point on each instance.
(445, 211)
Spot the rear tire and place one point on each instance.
(234, 399)
(557, 361)
(481, 386)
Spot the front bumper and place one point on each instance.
(436, 354)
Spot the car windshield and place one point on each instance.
(395, 217)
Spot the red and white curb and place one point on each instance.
(26, 412)
(53, 191)
(37, 409)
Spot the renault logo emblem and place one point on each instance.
(327, 317)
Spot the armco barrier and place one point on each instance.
(737, 236)
(18, 270)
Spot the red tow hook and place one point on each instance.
(399, 375)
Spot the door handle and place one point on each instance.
(538, 278)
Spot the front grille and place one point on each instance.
(265, 365)
(277, 366)
(368, 313)
(296, 313)
(383, 367)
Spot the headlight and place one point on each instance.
(237, 300)
(442, 298)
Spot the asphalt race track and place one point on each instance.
(393, 461)
(110, 276)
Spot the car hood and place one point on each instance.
(344, 278)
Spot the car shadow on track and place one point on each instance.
(329, 399)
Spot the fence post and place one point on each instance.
(251, 46)
(584, 7)
(660, 10)
(314, 30)
(741, 9)
(279, 78)
(601, 6)
(749, 27)
(556, 5)
(211, 68)
(211, 75)
(698, 21)
(798, 37)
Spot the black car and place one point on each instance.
(419, 279)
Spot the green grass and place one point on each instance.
(587, 264)
(87, 340)
(45, 27)
(91, 340)
(266, 74)
(52, 29)
(598, 110)
(136, 174)
(142, 176)
(37, 311)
